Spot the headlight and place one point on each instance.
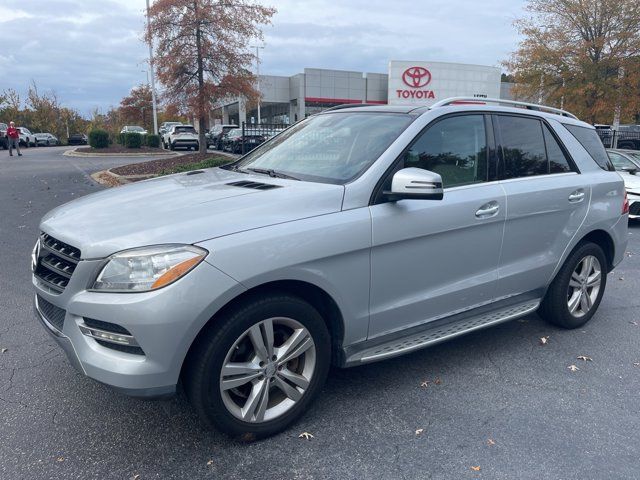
(148, 268)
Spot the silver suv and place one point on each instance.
(355, 235)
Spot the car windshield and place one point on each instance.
(329, 148)
(184, 130)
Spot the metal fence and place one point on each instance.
(256, 134)
(619, 139)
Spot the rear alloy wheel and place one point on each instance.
(576, 292)
(256, 371)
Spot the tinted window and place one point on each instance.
(558, 161)
(589, 139)
(522, 147)
(455, 147)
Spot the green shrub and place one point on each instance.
(99, 138)
(153, 141)
(121, 138)
(132, 140)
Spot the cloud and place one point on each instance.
(91, 53)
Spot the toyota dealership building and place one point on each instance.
(289, 99)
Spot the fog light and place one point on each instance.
(110, 337)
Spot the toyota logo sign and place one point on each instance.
(416, 77)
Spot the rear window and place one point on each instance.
(589, 139)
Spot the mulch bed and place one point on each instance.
(121, 149)
(156, 166)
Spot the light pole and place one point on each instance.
(153, 82)
(258, 47)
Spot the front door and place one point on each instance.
(434, 258)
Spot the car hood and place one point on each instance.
(631, 182)
(185, 208)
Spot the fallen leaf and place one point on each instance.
(2, 350)
(210, 462)
(306, 436)
(584, 358)
(425, 384)
(621, 278)
(437, 381)
(60, 459)
(634, 323)
(544, 340)
(475, 469)
(573, 368)
(419, 431)
(136, 477)
(637, 364)
(490, 442)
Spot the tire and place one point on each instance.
(556, 307)
(229, 337)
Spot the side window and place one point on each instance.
(558, 162)
(522, 145)
(589, 139)
(621, 163)
(455, 148)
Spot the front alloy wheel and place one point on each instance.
(267, 370)
(255, 370)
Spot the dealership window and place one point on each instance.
(455, 148)
(522, 147)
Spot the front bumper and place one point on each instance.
(164, 323)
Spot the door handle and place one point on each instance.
(577, 196)
(488, 210)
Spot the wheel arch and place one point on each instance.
(309, 292)
(604, 241)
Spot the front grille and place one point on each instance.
(52, 314)
(56, 263)
(634, 209)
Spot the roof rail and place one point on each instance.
(515, 103)
(351, 105)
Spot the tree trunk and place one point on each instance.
(202, 121)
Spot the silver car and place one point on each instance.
(356, 235)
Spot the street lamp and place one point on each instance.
(153, 82)
(258, 47)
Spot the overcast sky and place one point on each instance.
(91, 54)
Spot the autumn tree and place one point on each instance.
(202, 53)
(45, 109)
(581, 54)
(136, 108)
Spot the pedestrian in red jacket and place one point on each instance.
(14, 139)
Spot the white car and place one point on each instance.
(133, 129)
(627, 163)
(181, 136)
(27, 139)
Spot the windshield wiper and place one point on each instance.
(272, 173)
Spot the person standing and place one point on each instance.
(14, 139)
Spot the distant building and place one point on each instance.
(289, 99)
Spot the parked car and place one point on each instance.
(233, 141)
(181, 136)
(27, 139)
(4, 140)
(214, 137)
(78, 139)
(166, 126)
(627, 163)
(357, 235)
(46, 139)
(133, 129)
(629, 137)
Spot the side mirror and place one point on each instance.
(415, 183)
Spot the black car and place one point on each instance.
(78, 139)
(215, 135)
(235, 142)
(4, 141)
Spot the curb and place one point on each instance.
(74, 153)
(110, 179)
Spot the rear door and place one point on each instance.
(547, 201)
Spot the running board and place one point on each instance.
(436, 334)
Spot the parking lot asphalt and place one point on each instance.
(495, 404)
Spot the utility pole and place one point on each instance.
(257, 47)
(618, 108)
(153, 81)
